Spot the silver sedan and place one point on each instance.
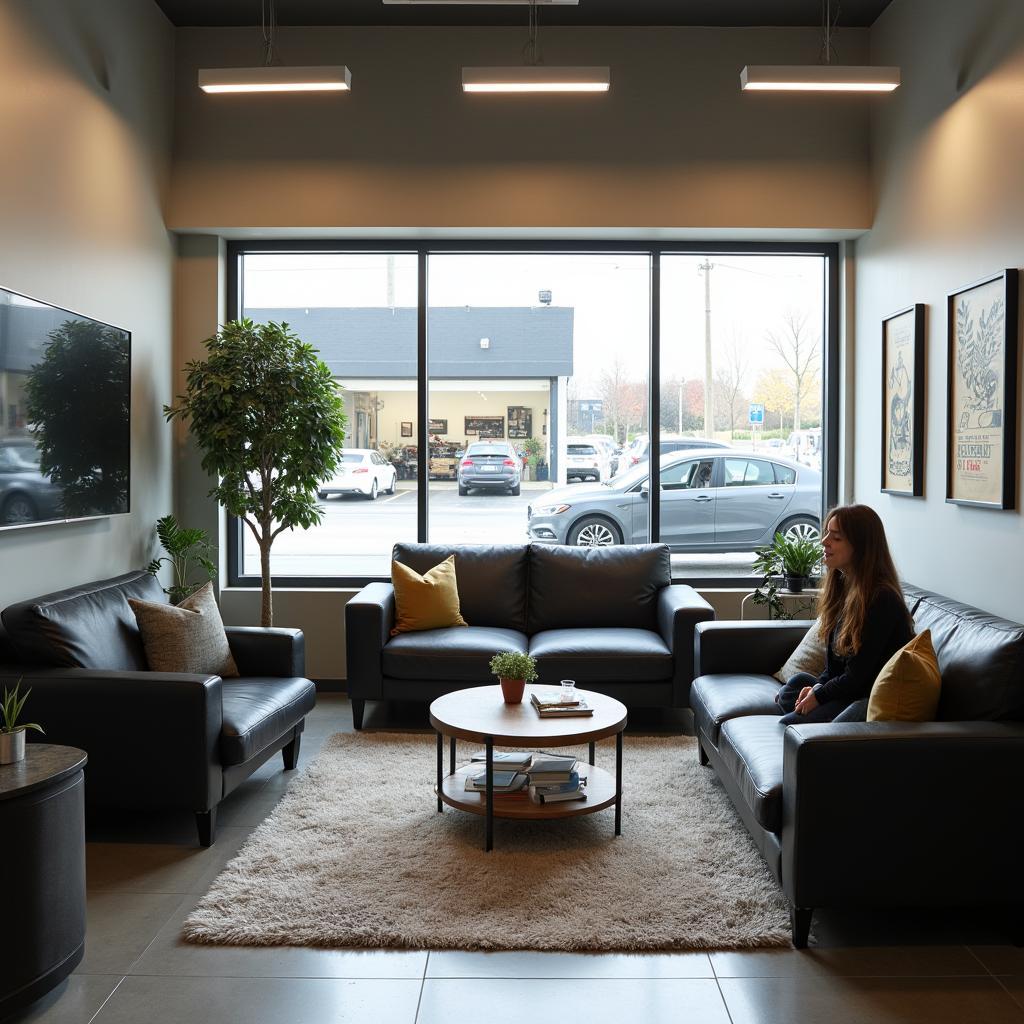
(712, 499)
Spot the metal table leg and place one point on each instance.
(618, 784)
(440, 770)
(593, 747)
(451, 758)
(489, 813)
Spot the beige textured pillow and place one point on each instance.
(188, 637)
(809, 656)
(907, 689)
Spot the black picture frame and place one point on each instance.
(903, 402)
(520, 422)
(406, 428)
(485, 426)
(438, 427)
(982, 340)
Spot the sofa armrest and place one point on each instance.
(260, 651)
(680, 608)
(746, 647)
(151, 737)
(894, 813)
(369, 617)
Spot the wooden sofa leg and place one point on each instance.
(290, 753)
(800, 923)
(702, 757)
(358, 705)
(206, 822)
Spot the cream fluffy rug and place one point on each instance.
(355, 854)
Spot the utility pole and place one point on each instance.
(709, 411)
(681, 407)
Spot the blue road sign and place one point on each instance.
(756, 412)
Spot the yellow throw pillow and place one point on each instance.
(907, 688)
(430, 601)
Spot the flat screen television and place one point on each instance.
(65, 414)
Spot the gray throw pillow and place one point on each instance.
(188, 637)
(808, 657)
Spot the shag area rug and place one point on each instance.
(356, 855)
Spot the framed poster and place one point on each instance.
(485, 426)
(438, 426)
(903, 402)
(406, 428)
(520, 421)
(981, 393)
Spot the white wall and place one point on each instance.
(948, 148)
(85, 118)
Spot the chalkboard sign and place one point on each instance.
(439, 426)
(485, 426)
(520, 421)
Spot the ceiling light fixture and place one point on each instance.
(272, 77)
(824, 76)
(533, 75)
(484, 3)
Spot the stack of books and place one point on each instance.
(554, 707)
(554, 778)
(508, 784)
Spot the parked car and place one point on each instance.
(361, 471)
(640, 450)
(490, 465)
(804, 446)
(586, 459)
(26, 495)
(607, 444)
(712, 499)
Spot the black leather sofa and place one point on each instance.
(154, 739)
(875, 814)
(610, 618)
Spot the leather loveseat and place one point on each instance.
(609, 617)
(875, 814)
(154, 739)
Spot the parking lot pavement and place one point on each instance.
(356, 536)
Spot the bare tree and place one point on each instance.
(800, 351)
(734, 363)
(624, 400)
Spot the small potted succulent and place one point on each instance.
(12, 733)
(514, 671)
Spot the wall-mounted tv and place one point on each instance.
(65, 414)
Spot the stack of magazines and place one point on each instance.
(554, 778)
(555, 707)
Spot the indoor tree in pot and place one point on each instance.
(514, 671)
(265, 410)
(12, 733)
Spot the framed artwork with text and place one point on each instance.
(903, 402)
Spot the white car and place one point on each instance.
(586, 460)
(361, 471)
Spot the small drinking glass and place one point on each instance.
(569, 695)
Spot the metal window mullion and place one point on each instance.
(654, 401)
(422, 399)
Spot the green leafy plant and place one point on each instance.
(513, 665)
(791, 559)
(186, 547)
(266, 412)
(10, 711)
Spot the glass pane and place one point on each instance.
(546, 353)
(741, 374)
(359, 311)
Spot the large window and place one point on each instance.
(541, 377)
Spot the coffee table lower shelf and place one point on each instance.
(600, 794)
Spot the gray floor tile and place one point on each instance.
(455, 964)
(693, 1001)
(170, 956)
(74, 1001)
(119, 926)
(876, 1000)
(259, 1001)
(849, 961)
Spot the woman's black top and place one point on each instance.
(886, 629)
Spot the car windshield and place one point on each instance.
(487, 449)
(581, 449)
(352, 457)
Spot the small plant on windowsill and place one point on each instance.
(792, 562)
(514, 670)
(12, 732)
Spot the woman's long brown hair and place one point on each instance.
(848, 594)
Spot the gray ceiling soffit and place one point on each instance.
(726, 13)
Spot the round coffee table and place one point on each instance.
(479, 714)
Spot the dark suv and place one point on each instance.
(640, 450)
(490, 465)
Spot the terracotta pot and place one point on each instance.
(512, 690)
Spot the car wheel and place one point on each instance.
(801, 528)
(18, 508)
(372, 496)
(463, 491)
(515, 491)
(394, 484)
(594, 532)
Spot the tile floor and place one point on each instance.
(145, 874)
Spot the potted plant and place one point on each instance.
(183, 546)
(791, 561)
(12, 734)
(266, 411)
(514, 671)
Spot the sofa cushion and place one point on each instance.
(908, 687)
(752, 751)
(461, 654)
(492, 578)
(258, 710)
(91, 626)
(980, 657)
(718, 698)
(572, 588)
(611, 655)
(809, 656)
(426, 601)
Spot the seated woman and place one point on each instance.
(862, 614)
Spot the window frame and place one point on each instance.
(422, 249)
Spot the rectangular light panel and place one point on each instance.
(819, 78)
(536, 78)
(485, 3)
(272, 78)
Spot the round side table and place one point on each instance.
(42, 863)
